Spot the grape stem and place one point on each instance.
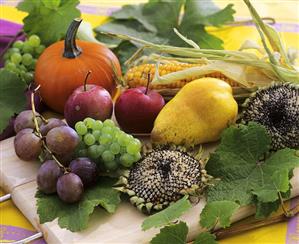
(39, 134)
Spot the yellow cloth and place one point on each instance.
(233, 37)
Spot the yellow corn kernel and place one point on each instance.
(138, 75)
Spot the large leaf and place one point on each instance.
(205, 238)
(169, 214)
(48, 19)
(74, 217)
(154, 21)
(174, 234)
(217, 212)
(12, 96)
(246, 177)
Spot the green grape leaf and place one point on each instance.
(12, 98)
(74, 217)
(167, 215)
(248, 173)
(145, 22)
(176, 234)
(205, 238)
(48, 19)
(217, 212)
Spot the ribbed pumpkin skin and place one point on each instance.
(58, 76)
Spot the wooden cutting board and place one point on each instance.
(18, 178)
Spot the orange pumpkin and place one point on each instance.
(62, 68)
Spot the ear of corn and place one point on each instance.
(139, 75)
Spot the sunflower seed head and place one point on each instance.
(277, 108)
(163, 176)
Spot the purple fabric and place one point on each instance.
(292, 236)
(13, 233)
(7, 31)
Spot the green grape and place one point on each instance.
(111, 165)
(127, 160)
(38, 50)
(107, 156)
(109, 122)
(80, 128)
(16, 58)
(28, 77)
(27, 48)
(96, 134)
(115, 148)
(89, 139)
(6, 56)
(22, 74)
(133, 147)
(107, 130)
(123, 149)
(101, 149)
(98, 125)
(93, 152)
(82, 153)
(21, 67)
(14, 50)
(118, 135)
(137, 156)
(34, 41)
(10, 66)
(89, 122)
(124, 139)
(105, 139)
(18, 44)
(138, 142)
(33, 64)
(27, 59)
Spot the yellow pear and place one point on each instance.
(199, 112)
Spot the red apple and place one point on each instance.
(88, 101)
(137, 108)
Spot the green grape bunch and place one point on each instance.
(107, 144)
(21, 58)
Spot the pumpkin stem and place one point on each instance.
(85, 81)
(71, 50)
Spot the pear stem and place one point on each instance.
(86, 77)
(148, 83)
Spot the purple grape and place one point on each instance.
(47, 176)
(9, 131)
(64, 159)
(69, 188)
(62, 140)
(85, 169)
(22, 132)
(39, 105)
(52, 123)
(25, 120)
(28, 146)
